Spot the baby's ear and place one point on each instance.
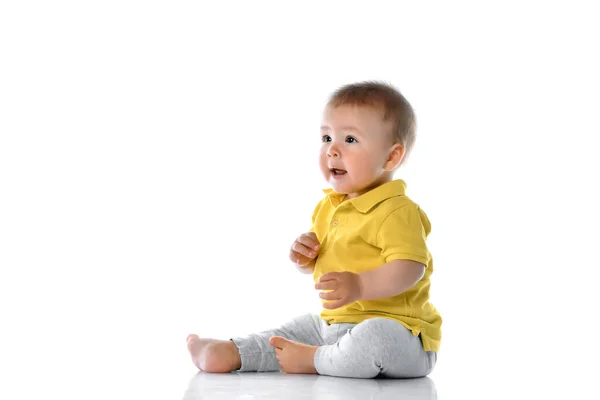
(395, 157)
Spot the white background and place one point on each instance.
(157, 159)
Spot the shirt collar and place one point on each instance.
(367, 201)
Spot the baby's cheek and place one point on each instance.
(363, 169)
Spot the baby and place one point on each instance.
(367, 253)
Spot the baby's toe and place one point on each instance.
(191, 336)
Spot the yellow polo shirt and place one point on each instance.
(366, 232)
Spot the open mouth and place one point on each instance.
(337, 172)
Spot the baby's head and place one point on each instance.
(368, 130)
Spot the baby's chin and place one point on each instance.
(340, 187)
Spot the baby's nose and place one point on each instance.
(333, 151)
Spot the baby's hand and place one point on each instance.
(305, 249)
(345, 288)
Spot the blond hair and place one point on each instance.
(386, 97)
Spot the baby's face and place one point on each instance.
(356, 145)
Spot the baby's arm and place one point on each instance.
(390, 279)
(402, 239)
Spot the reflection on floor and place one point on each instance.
(276, 385)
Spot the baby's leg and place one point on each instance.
(373, 347)
(257, 354)
(252, 353)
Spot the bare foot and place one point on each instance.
(211, 355)
(294, 357)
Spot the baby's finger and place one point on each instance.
(329, 276)
(310, 242)
(302, 249)
(329, 285)
(335, 295)
(299, 258)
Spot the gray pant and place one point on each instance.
(374, 347)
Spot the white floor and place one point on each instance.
(275, 385)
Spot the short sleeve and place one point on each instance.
(403, 235)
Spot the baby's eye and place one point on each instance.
(350, 139)
(326, 138)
